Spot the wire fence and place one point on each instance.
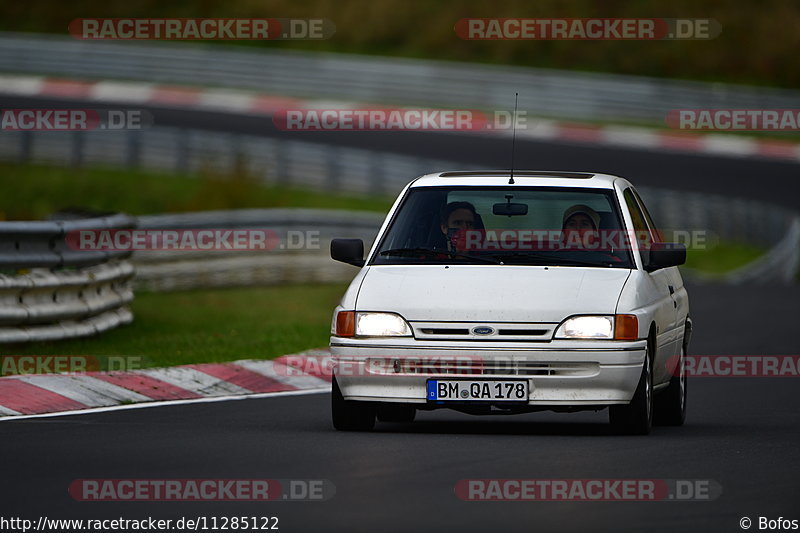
(307, 261)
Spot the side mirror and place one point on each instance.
(350, 251)
(665, 254)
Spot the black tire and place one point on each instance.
(670, 405)
(396, 412)
(349, 415)
(636, 418)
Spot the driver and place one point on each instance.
(456, 218)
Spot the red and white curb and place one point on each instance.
(238, 101)
(37, 394)
(127, 92)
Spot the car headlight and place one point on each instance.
(370, 324)
(617, 327)
(586, 327)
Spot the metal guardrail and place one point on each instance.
(543, 92)
(271, 160)
(311, 262)
(51, 291)
(740, 220)
(43, 306)
(724, 218)
(43, 244)
(782, 262)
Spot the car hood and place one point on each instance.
(477, 293)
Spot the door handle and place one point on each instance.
(671, 289)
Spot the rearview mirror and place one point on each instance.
(350, 251)
(509, 209)
(665, 254)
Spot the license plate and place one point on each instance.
(465, 390)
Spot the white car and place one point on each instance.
(492, 293)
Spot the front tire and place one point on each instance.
(670, 406)
(349, 415)
(636, 418)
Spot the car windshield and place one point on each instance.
(506, 226)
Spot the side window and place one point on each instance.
(640, 228)
(654, 231)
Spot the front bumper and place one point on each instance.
(560, 373)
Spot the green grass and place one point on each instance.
(211, 325)
(722, 258)
(38, 191)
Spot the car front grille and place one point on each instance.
(466, 331)
(476, 366)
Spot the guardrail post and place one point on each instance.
(25, 146)
(376, 175)
(262, 154)
(134, 153)
(183, 151)
(238, 159)
(76, 154)
(332, 168)
(281, 162)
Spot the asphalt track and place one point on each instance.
(741, 432)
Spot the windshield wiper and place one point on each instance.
(551, 260)
(431, 252)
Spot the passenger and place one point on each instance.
(580, 228)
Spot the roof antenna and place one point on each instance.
(513, 139)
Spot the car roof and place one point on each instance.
(539, 178)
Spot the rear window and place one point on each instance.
(508, 225)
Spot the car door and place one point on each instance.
(676, 286)
(661, 289)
